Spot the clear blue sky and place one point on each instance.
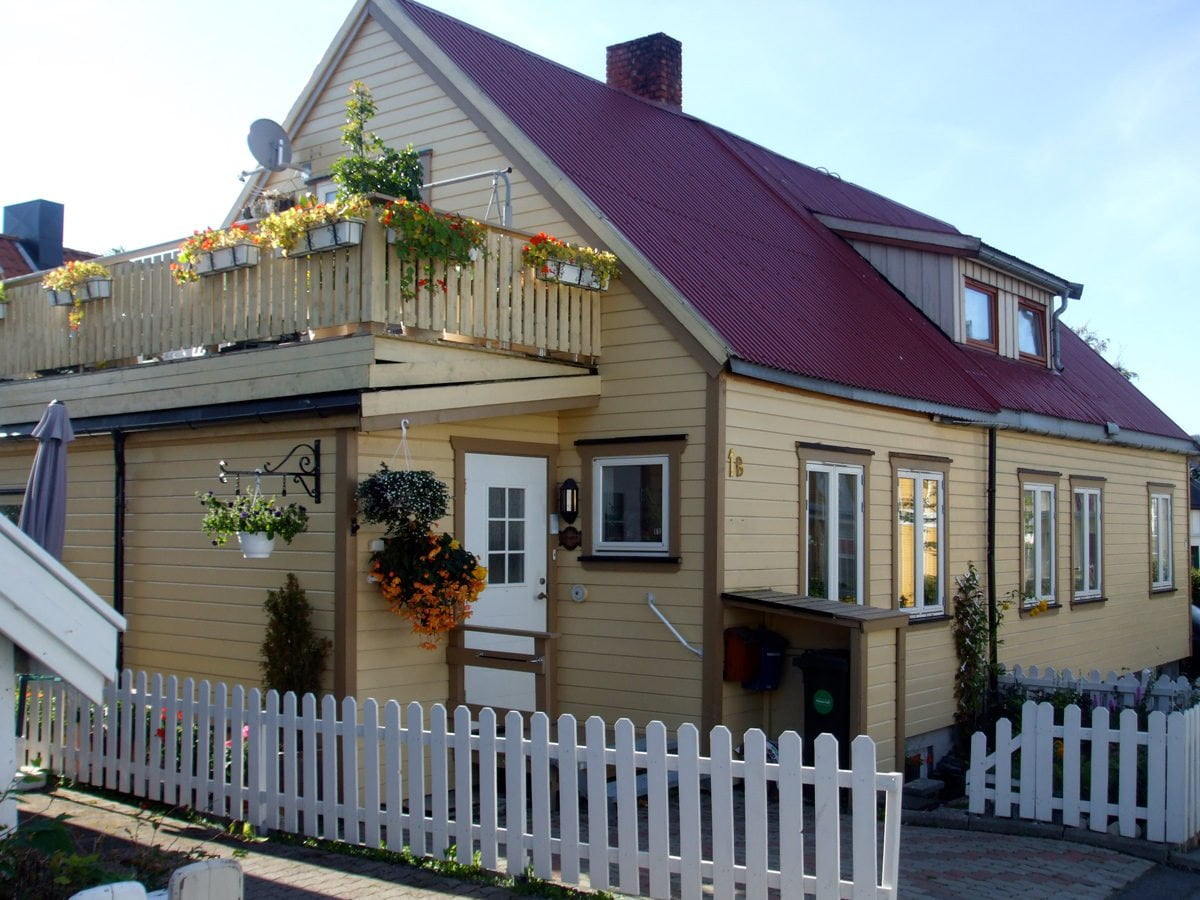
(1066, 133)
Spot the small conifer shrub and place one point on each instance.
(293, 655)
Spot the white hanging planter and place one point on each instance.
(3, 310)
(256, 544)
(343, 233)
(239, 256)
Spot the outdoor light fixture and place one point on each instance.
(568, 501)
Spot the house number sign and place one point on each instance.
(736, 469)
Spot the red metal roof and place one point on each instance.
(14, 263)
(732, 226)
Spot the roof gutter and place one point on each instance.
(1006, 419)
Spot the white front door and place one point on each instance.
(506, 528)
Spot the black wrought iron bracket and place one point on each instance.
(307, 473)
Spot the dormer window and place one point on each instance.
(979, 314)
(1031, 331)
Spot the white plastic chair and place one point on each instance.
(212, 879)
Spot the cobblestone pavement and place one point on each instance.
(934, 862)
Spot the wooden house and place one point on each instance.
(801, 406)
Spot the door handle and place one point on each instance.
(541, 596)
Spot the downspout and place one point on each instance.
(118, 592)
(1054, 326)
(993, 623)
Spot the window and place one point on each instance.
(979, 314)
(834, 502)
(631, 486)
(10, 503)
(920, 541)
(1087, 548)
(506, 535)
(630, 511)
(1162, 576)
(1037, 543)
(1031, 331)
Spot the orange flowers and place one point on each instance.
(430, 580)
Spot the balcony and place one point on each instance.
(493, 302)
(329, 321)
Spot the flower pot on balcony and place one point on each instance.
(3, 309)
(60, 298)
(256, 544)
(239, 256)
(93, 289)
(569, 272)
(343, 233)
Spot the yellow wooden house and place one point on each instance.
(801, 406)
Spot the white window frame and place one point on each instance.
(662, 547)
(919, 608)
(831, 516)
(1042, 492)
(1081, 549)
(1160, 541)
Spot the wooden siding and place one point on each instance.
(763, 508)
(1009, 292)
(616, 658)
(391, 664)
(926, 279)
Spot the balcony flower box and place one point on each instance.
(3, 310)
(555, 260)
(77, 282)
(333, 235)
(225, 259)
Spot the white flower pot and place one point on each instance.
(256, 545)
(549, 272)
(569, 272)
(239, 256)
(3, 310)
(343, 233)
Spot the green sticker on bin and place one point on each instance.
(823, 702)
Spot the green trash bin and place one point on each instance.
(826, 700)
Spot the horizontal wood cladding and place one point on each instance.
(764, 505)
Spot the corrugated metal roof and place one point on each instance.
(731, 226)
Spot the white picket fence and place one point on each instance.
(1112, 690)
(648, 817)
(1148, 782)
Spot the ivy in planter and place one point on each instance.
(426, 577)
(424, 237)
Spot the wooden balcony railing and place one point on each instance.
(493, 301)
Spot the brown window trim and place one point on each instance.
(1035, 476)
(993, 313)
(590, 449)
(1040, 311)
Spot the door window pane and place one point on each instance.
(506, 535)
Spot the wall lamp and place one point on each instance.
(568, 501)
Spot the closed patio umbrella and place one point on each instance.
(44, 512)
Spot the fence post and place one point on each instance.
(977, 774)
(1098, 804)
(1029, 733)
(1177, 776)
(863, 806)
(828, 819)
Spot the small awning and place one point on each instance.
(848, 615)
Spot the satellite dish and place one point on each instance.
(269, 145)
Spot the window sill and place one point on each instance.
(626, 559)
(1087, 601)
(1033, 612)
(1163, 590)
(928, 619)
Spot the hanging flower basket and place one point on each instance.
(94, 289)
(77, 282)
(210, 252)
(247, 516)
(256, 544)
(425, 577)
(309, 226)
(60, 298)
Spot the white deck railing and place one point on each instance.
(651, 816)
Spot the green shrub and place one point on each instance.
(293, 656)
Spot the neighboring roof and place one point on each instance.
(733, 228)
(59, 621)
(14, 261)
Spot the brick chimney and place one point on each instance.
(651, 67)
